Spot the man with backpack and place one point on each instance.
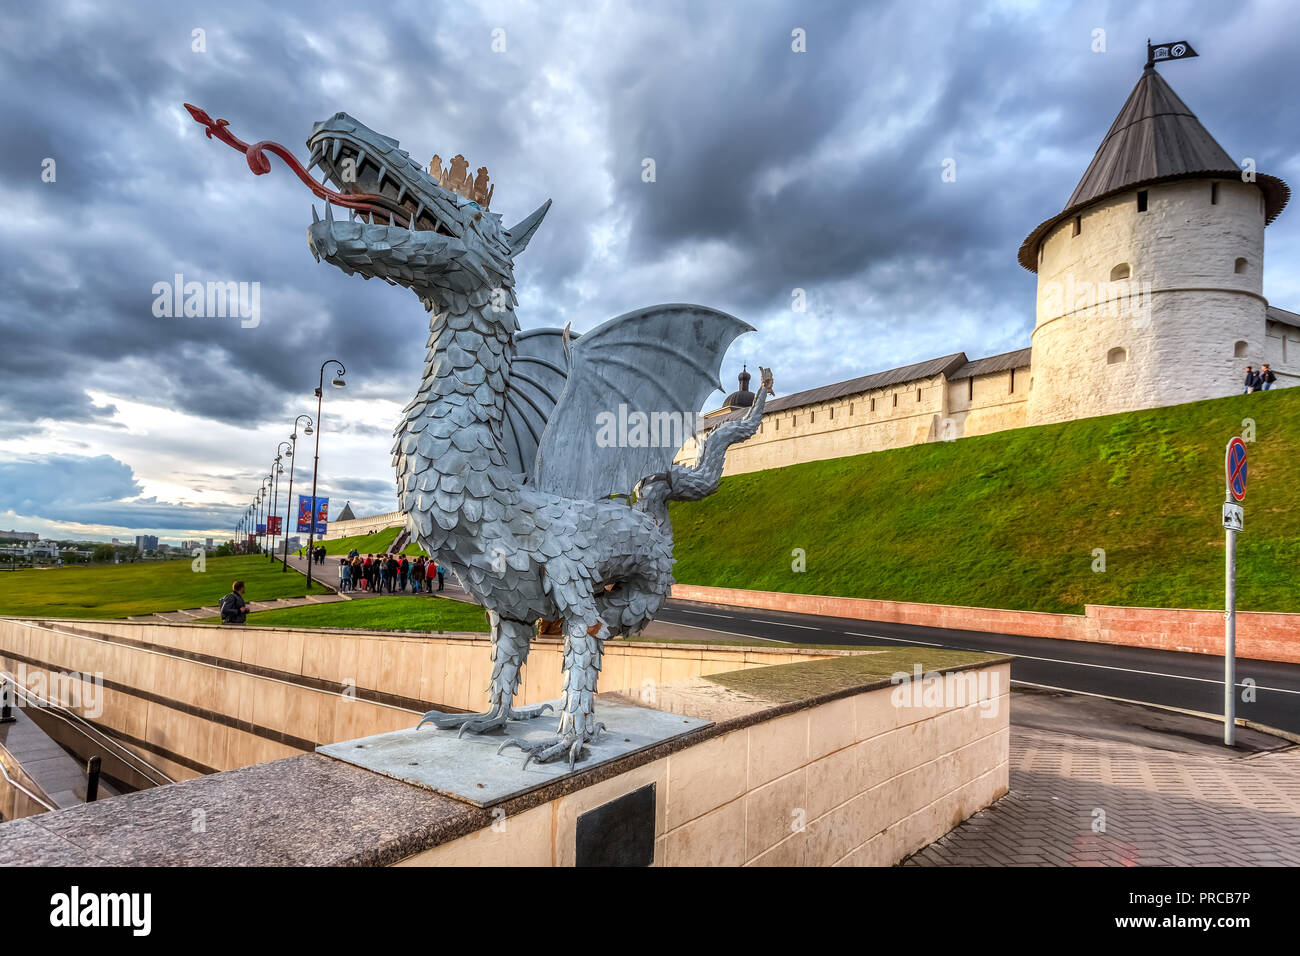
(233, 606)
(1266, 377)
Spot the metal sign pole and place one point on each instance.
(1230, 644)
(1234, 472)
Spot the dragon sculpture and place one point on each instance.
(502, 469)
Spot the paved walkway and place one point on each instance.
(1167, 793)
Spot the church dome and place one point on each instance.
(742, 397)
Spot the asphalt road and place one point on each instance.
(1168, 678)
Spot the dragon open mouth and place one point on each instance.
(378, 183)
(360, 172)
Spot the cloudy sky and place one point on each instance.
(775, 170)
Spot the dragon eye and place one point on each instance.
(474, 204)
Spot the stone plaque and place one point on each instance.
(619, 833)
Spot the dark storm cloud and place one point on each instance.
(775, 170)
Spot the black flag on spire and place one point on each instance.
(1180, 50)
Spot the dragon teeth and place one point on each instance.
(315, 218)
(329, 212)
(361, 157)
(401, 191)
(338, 148)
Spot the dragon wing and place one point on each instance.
(663, 359)
(537, 376)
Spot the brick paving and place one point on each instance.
(1161, 808)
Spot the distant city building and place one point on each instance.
(146, 542)
(207, 543)
(20, 535)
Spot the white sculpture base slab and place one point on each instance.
(470, 769)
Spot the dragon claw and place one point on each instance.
(481, 723)
(568, 746)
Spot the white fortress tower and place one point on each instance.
(1150, 279)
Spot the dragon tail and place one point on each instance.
(680, 483)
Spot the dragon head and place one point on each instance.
(431, 239)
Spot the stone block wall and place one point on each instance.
(856, 781)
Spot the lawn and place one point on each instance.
(377, 543)
(1016, 519)
(121, 590)
(391, 613)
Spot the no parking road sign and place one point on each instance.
(1235, 468)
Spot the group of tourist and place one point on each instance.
(1260, 381)
(389, 573)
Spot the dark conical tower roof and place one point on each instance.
(1155, 138)
(346, 514)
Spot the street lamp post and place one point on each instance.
(337, 382)
(275, 497)
(264, 496)
(288, 507)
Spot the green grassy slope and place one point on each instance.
(377, 543)
(121, 590)
(1011, 519)
(392, 613)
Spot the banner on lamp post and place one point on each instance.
(305, 513)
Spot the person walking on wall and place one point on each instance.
(1252, 380)
(1266, 377)
(345, 575)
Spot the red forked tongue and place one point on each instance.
(259, 164)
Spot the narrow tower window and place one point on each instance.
(1121, 271)
(1012, 389)
(1078, 226)
(1240, 266)
(970, 389)
(1142, 200)
(918, 394)
(1214, 194)
(895, 399)
(1116, 355)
